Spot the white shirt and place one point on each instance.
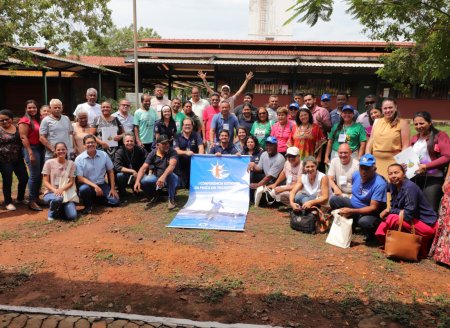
(199, 106)
(93, 111)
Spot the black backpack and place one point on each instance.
(304, 220)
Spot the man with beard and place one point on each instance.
(272, 107)
(177, 115)
(341, 101)
(248, 100)
(159, 99)
(320, 115)
(91, 106)
(369, 103)
(144, 123)
(325, 102)
(208, 115)
(198, 104)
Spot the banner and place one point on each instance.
(218, 194)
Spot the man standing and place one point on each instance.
(368, 197)
(208, 115)
(144, 123)
(161, 163)
(92, 166)
(54, 128)
(124, 116)
(186, 144)
(93, 109)
(369, 103)
(341, 171)
(320, 115)
(272, 108)
(248, 99)
(225, 90)
(198, 104)
(293, 111)
(128, 159)
(177, 114)
(341, 101)
(325, 102)
(246, 119)
(159, 99)
(298, 98)
(223, 121)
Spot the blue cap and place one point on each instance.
(294, 104)
(348, 107)
(271, 139)
(367, 160)
(325, 96)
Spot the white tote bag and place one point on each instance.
(341, 231)
(258, 194)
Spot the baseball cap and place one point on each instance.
(293, 151)
(294, 104)
(271, 139)
(162, 139)
(367, 160)
(225, 86)
(326, 97)
(348, 107)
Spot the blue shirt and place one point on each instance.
(363, 193)
(191, 143)
(411, 199)
(219, 123)
(336, 117)
(217, 148)
(94, 168)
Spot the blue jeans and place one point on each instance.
(19, 169)
(302, 198)
(35, 180)
(148, 184)
(88, 196)
(122, 183)
(56, 204)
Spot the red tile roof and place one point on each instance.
(102, 60)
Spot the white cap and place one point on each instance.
(294, 151)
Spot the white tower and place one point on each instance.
(266, 19)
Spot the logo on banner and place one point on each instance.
(218, 171)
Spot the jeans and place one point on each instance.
(368, 223)
(19, 169)
(35, 180)
(88, 196)
(122, 183)
(148, 184)
(56, 204)
(302, 198)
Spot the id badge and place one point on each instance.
(342, 180)
(158, 108)
(289, 179)
(342, 137)
(177, 123)
(226, 126)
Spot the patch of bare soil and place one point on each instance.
(126, 260)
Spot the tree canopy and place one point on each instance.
(113, 41)
(426, 23)
(52, 23)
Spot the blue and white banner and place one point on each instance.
(218, 194)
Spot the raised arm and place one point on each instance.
(248, 77)
(205, 83)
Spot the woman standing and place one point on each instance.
(282, 130)
(374, 113)
(433, 149)
(80, 130)
(54, 170)
(33, 151)
(106, 120)
(242, 138)
(346, 131)
(166, 125)
(407, 197)
(11, 159)
(390, 135)
(307, 136)
(262, 127)
(187, 109)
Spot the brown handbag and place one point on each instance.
(403, 245)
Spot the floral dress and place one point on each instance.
(308, 141)
(440, 250)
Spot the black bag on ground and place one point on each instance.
(304, 220)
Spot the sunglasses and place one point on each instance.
(370, 102)
(4, 120)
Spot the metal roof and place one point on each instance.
(254, 63)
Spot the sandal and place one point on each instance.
(34, 207)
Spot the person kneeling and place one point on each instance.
(368, 197)
(92, 166)
(407, 196)
(53, 172)
(311, 188)
(161, 163)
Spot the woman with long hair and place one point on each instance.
(390, 135)
(433, 149)
(166, 125)
(242, 135)
(374, 113)
(262, 126)
(33, 151)
(253, 149)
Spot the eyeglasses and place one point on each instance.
(4, 120)
(262, 113)
(370, 102)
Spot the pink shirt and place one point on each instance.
(322, 117)
(283, 134)
(208, 115)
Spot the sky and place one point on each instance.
(223, 19)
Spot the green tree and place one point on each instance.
(114, 40)
(426, 23)
(52, 23)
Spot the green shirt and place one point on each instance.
(261, 131)
(179, 120)
(354, 135)
(145, 121)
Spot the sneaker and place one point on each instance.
(10, 207)
(23, 201)
(34, 207)
(171, 205)
(50, 219)
(87, 210)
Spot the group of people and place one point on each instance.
(307, 155)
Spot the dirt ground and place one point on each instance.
(126, 260)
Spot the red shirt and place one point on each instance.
(208, 115)
(33, 134)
